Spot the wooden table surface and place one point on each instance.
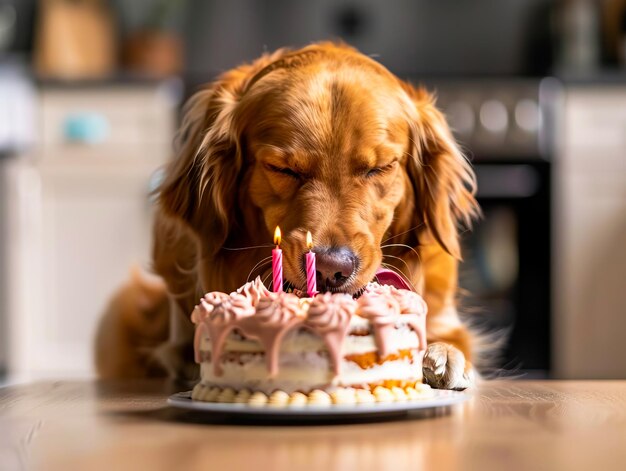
(507, 425)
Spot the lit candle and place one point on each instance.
(277, 263)
(311, 274)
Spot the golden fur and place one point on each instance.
(322, 139)
(135, 324)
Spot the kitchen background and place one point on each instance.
(90, 96)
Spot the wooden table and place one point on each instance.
(508, 425)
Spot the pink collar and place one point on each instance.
(385, 276)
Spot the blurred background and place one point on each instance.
(90, 96)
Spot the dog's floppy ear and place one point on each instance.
(443, 181)
(200, 185)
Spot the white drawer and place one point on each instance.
(596, 118)
(107, 120)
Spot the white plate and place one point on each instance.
(437, 400)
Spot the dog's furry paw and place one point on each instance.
(444, 367)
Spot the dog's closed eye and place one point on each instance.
(372, 172)
(284, 171)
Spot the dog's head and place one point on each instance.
(324, 140)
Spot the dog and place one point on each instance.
(327, 140)
(135, 324)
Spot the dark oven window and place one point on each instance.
(505, 275)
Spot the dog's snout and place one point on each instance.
(335, 265)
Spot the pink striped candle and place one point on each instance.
(277, 264)
(311, 273)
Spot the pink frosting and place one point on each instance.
(267, 317)
(206, 305)
(382, 310)
(329, 317)
(414, 310)
(254, 290)
(275, 316)
(230, 309)
(378, 308)
(417, 322)
(329, 311)
(221, 314)
(277, 308)
(377, 288)
(410, 302)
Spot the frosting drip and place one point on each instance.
(412, 307)
(383, 312)
(275, 316)
(199, 315)
(329, 317)
(226, 314)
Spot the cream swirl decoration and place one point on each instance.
(206, 306)
(253, 290)
(230, 309)
(376, 288)
(329, 312)
(277, 309)
(379, 309)
(410, 302)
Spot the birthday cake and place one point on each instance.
(277, 349)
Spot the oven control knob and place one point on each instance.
(461, 118)
(528, 115)
(494, 116)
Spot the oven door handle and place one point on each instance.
(507, 181)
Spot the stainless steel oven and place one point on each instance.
(505, 128)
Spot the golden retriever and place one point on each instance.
(327, 140)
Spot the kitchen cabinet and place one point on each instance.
(590, 233)
(80, 216)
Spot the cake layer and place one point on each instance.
(306, 371)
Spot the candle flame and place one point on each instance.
(309, 240)
(277, 236)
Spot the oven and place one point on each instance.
(505, 129)
(505, 276)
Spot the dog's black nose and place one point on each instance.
(334, 266)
